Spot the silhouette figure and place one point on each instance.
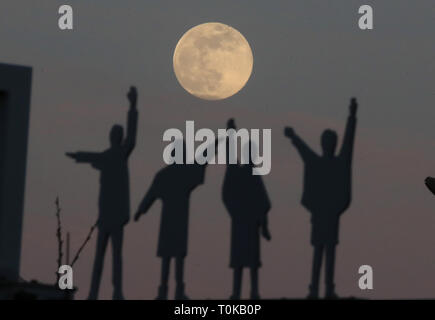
(114, 199)
(173, 185)
(326, 194)
(247, 202)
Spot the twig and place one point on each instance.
(59, 237)
(67, 248)
(76, 257)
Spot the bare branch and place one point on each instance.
(76, 257)
(59, 237)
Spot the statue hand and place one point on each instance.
(289, 132)
(231, 124)
(137, 216)
(353, 107)
(132, 95)
(266, 233)
(71, 155)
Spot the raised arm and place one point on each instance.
(264, 220)
(300, 145)
(349, 134)
(197, 174)
(130, 140)
(231, 124)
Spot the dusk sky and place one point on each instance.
(310, 58)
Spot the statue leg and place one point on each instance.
(102, 239)
(117, 239)
(237, 283)
(163, 288)
(315, 274)
(254, 284)
(179, 276)
(329, 272)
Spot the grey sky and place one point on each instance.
(309, 59)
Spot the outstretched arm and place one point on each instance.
(349, 134)
(130, 140)
(300, 145)
(93, 158)
(86, 157)
(147, 202)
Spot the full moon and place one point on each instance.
(212, 61)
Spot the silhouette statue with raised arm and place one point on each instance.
(246, 200)
(326, 194)
(114, 199)
(173, 185)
